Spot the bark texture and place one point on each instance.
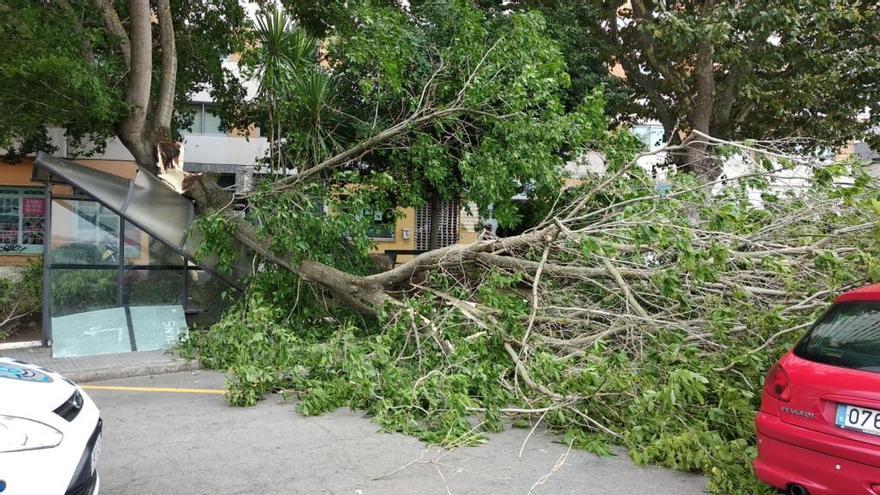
(148, 123)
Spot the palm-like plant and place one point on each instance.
(318, 127)
(282, 51)
(300, 96)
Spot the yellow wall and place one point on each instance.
(407, 221)
(845, 152)
(19, 174)
(18, 259)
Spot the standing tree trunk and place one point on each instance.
(147, 125)
(701, 113)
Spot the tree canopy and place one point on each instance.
(502, 78)
(736, 69)
(87, 67)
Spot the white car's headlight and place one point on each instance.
(24, 434)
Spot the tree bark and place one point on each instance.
(701, 113)
(114, 26)
(165, 100)
(132, 130)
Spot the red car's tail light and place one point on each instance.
(875, 487)
(777, 383)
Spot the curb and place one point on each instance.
(131, 371)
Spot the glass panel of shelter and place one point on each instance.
(99, 301)
(83, 283)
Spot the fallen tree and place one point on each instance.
(633, 315)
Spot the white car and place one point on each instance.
(50, 433)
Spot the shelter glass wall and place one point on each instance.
(111, 287)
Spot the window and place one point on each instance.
(382, 226)
(848, 336)
(448, 230)
(22, 221)
(204, 121)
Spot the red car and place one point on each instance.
(819, 425)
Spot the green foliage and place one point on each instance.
(315, 222)
(59, 66)
(511, 123)
(20, 297)
(320, 224)
(777, 64)
(43, 76)
(426, 369)
(218, 241)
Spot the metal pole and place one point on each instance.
(120, 283)
(47, 233)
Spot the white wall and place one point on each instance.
(230, 150)
(233, 151)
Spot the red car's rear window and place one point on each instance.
(847, 335)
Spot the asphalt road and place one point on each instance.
(194, 443)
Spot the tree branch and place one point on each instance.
(165, 99)
(413, 122)
(114, 26)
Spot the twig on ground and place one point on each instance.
(556, 467)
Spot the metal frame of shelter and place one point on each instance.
(144, 202)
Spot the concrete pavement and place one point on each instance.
(103, 366)
(194, 443)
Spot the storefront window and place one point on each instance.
(22, 221)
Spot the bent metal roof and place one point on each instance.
(146, 202)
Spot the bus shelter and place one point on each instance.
(120, 271)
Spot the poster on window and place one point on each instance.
(34, 207)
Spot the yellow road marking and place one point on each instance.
(119, 388)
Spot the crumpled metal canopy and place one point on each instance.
(145, 202)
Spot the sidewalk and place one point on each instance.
(105, 366)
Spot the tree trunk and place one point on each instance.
(701, 113)
(147, 125)
(359, 293)
(132, 130)
(164, 109)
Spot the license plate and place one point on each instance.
(96, 450)
(858, 418)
